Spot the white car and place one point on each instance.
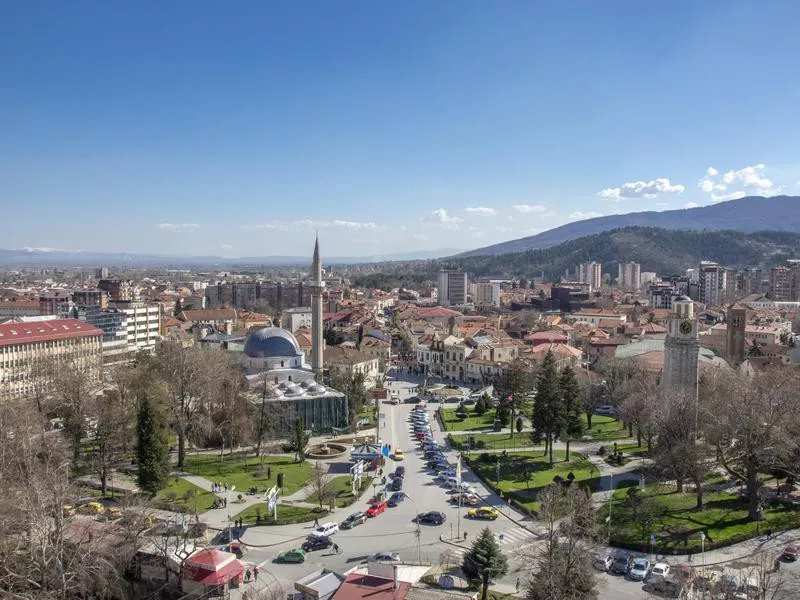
(325, 530)
(640, 569)
(386, 557)
(660, 569)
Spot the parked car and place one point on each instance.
(386, 557)
(660, 569)
(316, 543)
(325, 530)
(605, 410)
(297, 555)
(640, 569)
(466, 499)
(622, 563)
(376, 508)
(603, 562)
(791, 552)
(353, 520)
(484, 512)
(431, 518)
(396, 499)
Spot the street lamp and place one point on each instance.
(703, 548)
(228, 509)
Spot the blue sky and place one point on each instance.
(239, 128)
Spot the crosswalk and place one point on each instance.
(513, 541)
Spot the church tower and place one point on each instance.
(681, 348)
(317, 287)
(737, 321)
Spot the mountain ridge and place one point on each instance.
(747, 215)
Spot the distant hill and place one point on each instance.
(750, 214)
(29, 257)
(661, 250)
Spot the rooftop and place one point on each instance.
(45, 331)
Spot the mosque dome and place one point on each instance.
(271, 342)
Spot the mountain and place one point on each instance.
(750, 214)
(30, 257)
(660, 250)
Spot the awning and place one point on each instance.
(219, 577)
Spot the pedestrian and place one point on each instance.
(517, 584)
(247, 575)
(769, 534)
(226, 486)
(316, 522)
(255, 573)
(465, 536)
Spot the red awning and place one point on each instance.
(221, 576)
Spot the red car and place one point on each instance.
(376, 508)
(791, 552)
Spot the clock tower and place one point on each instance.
(681, 348)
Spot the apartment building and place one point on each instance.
(487, 293)
(591, 273)
(29, 353)
(629, 276)
(713, 284)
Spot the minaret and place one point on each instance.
(317, 286)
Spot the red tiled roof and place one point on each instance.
(214, 314)
(437, 311)
(19, 304)
(45, 331)
(546, 336)
(359, 586)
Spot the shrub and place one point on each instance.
(480, 445)
(602, 451)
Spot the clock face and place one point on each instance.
(686, 327)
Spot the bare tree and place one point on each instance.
(228, 408)
(562, 567)
(751, 422)
(514, 385)
(321, 484)
(114, 431)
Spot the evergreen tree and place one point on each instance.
(300, 438)
(572, 406)
(485, 561)
(548, 411)
(481, 405)
(152, 445)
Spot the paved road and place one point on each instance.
(395, 531)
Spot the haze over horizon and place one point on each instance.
(204, 130)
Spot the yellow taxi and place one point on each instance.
(484, 512)
(398, 454)
(67, 510)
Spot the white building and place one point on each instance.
(452, 288)
(591, 273)
(629, 276)
(293, 319)
(713, 280)
(142, 324)
(487, 293)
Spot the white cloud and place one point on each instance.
(726, 197)
(502, 229)
(642, 189)
(483, 211)
(226, 246)
(752, 178)
(179, 227)
(355, 225)
(441, 218)
(711, 171)
(580, 216)
(419, 236)
(690, 205)
(269, 225)
(530, 208)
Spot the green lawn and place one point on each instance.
(182, 496)
(672, 518)
(472, 422)
(523, 474)
(343, 489)
(286, 514)
(494, 441)
(247, 472)
(605, 429)
(367, 412)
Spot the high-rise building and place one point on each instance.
(630, 276)
(591, 273)
(713, 280)
(780, 283)
(681, 349)
(452, 288)
(750, 281)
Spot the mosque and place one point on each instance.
(279, 375)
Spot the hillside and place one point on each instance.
(748, 215)
(659, 250)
